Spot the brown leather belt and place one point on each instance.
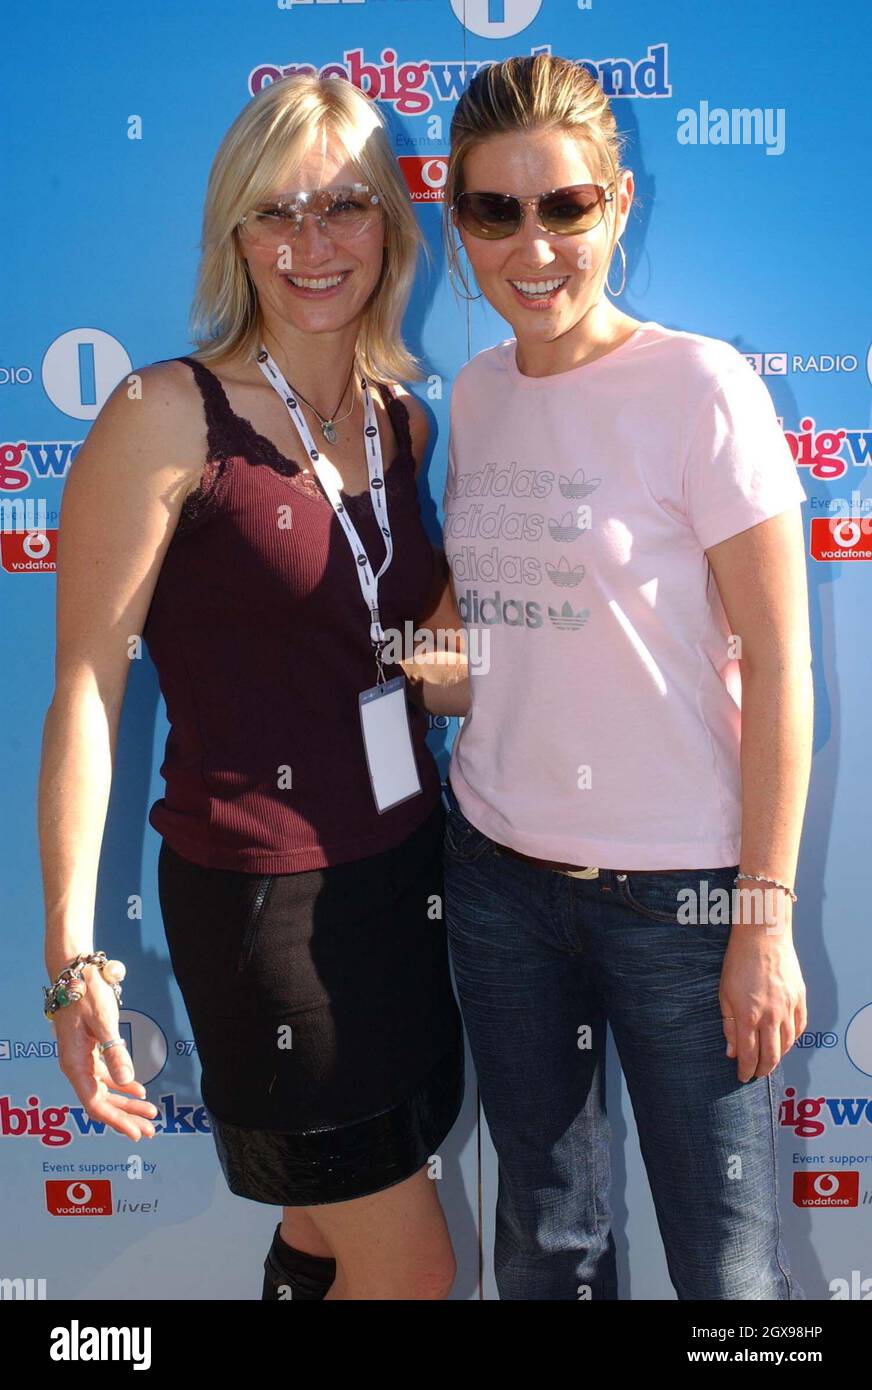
(572, 869)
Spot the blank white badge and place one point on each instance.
(387, 738)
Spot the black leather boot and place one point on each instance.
(295, 1275)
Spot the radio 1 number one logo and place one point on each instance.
(496, 19)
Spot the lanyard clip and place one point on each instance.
(379, 641)
(378, 648)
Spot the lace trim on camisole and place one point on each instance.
(230, 436)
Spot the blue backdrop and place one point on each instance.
(748, 228)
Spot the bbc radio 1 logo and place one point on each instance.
(64, 1198)
(826, 1189)
(781, 363)
(496, 19)
(425, 176)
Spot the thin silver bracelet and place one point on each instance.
(762, 878)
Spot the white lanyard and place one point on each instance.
(372, 445)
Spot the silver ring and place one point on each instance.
(113, 1042)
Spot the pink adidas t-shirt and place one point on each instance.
(605, 720)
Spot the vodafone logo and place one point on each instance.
(841, 538)
(434, 172)
(826, 1189)
(33, 552)
(425, 176)
(63, 1198)
(847, 533)
(36, 545)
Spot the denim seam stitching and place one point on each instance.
(778, 1228)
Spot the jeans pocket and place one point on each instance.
(681, 897)
(252, 920)
(462, 839)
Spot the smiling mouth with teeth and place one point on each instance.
(539, 289)
(321, 282)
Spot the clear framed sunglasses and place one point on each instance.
(343, 213)
(561, 211)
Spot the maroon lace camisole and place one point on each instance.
(260, 637)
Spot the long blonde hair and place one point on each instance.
(277, 127)
(525, 94)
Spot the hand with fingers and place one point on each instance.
(94, 1059)
(762, 992)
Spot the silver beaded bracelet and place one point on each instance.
(762, 878)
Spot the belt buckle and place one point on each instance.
(582, 873)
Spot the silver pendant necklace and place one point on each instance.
(328, 426)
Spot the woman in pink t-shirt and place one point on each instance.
(627, 793)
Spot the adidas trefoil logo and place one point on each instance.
(564, 574)
(566, 529)
(576, 486)
(566, 617)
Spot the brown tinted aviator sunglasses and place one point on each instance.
(563, 211)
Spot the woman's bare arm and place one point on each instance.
(120, 506)
(439, 677)
(762, 581)
(438, 671)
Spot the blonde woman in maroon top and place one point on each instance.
(300, 863)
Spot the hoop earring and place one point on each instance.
(624, 270)
(461, 292)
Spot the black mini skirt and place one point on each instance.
(321, 1007)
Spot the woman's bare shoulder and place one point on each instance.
(173, 385)
(161, 388)
(153, 417)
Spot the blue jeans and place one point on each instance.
(542, 962)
